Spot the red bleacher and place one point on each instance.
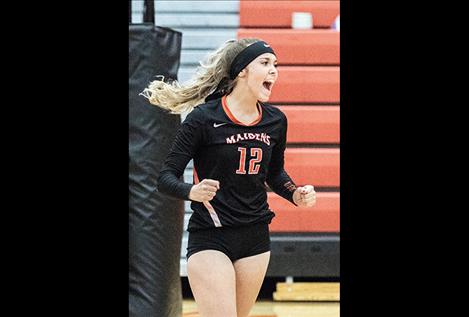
(312, 124)
(318, 167)
(307, 84)
(300, 47)
(323, 217)
(277, 14)
(308, 92)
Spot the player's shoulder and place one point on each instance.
(202, 111)
(273, 111)
(209, 106)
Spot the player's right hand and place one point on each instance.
(205, 190)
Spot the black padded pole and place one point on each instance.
(155, 220)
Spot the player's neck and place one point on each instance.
(242, 102)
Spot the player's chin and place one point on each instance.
(263, 97)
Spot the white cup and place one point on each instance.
(302, 20)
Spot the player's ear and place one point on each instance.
(243, 73)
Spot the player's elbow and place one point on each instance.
(161, 182)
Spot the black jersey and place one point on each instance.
(243, 158)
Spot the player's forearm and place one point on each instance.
(170, 184)
(282, 185)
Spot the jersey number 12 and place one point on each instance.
(254, 166)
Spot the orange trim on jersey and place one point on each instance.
(196, 177)
(213, 214)
(232, 117)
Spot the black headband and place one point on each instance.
(248, 55)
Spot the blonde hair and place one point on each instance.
(212, 74)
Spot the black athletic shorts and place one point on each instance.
(235, 242)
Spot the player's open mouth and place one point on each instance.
(267, 85)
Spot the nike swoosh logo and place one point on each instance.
(219, 125)
(266, 45)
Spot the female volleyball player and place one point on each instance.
(237, 142)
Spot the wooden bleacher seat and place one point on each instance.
(308, 291)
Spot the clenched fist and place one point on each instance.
(204, 191)
(305, 196)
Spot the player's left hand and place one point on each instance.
(305, 196)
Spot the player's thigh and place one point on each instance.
(212, 280)
(250, 273)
